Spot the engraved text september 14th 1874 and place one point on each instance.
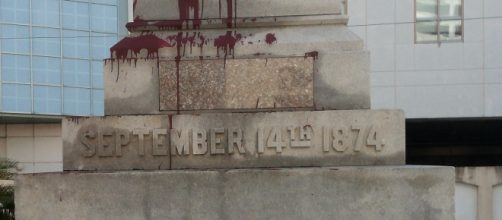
(109, 142)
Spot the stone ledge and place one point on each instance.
(196, 14)
(235, 140)
(376, 193)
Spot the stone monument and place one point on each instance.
(237, 109)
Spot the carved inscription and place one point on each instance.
(104, 142)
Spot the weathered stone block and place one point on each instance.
(404, 193)
(116, 143)
(229, 9)
(287, 139)
(235, 140)
(274, 83)
(131, 87)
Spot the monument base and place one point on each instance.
(403, 192)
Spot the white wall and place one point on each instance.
(497, 202)
(465, 201)
(462, 79)
(37, 147)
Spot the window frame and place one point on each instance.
(437, 21)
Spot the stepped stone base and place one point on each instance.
(300, 193)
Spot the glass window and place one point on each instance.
(98, 103)
(104, 18)
(45, 13)
(47, 99)
(46, 70)
(15, 39)
(76, 73)
(46, 42)
(16, 98)
(438, 20)
(15, 11)
(75, 15)
(76, 44)
(97, 74)
(77, 101)
(101, 44)
(16, 68)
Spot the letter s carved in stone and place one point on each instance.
(89, 149)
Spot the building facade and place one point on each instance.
(440, 61)
(51, 56)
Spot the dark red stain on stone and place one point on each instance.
(138, 22)
(148, 42)
(313, 54)
(226, 43)
(134, 45)
(270, 38)
(190, 16)
(229, 20)
(185, 6)
(190, 12)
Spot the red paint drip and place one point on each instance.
(150, 42)
(226, 43)
(230, 16)
(270, 38)
(313, 54)
(134, 4)
(138, 22)
(185, 6)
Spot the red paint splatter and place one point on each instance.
(270, 38)
(150, 42)
(313, 54)
(229, 20)
(137, 23)
(226, 43)
(184, 9)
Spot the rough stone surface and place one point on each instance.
(322, 138)
(237, 84)
(405, 193)
(114, 143)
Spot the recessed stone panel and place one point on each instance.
(274, 83)
(287, 139)
(116, 143)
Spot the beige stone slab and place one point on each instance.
(131, 87)
(376, 193)
(288, 139)
(237, 84)
(116, 143)
(47, 130)
(3, 130)
(19, 130)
